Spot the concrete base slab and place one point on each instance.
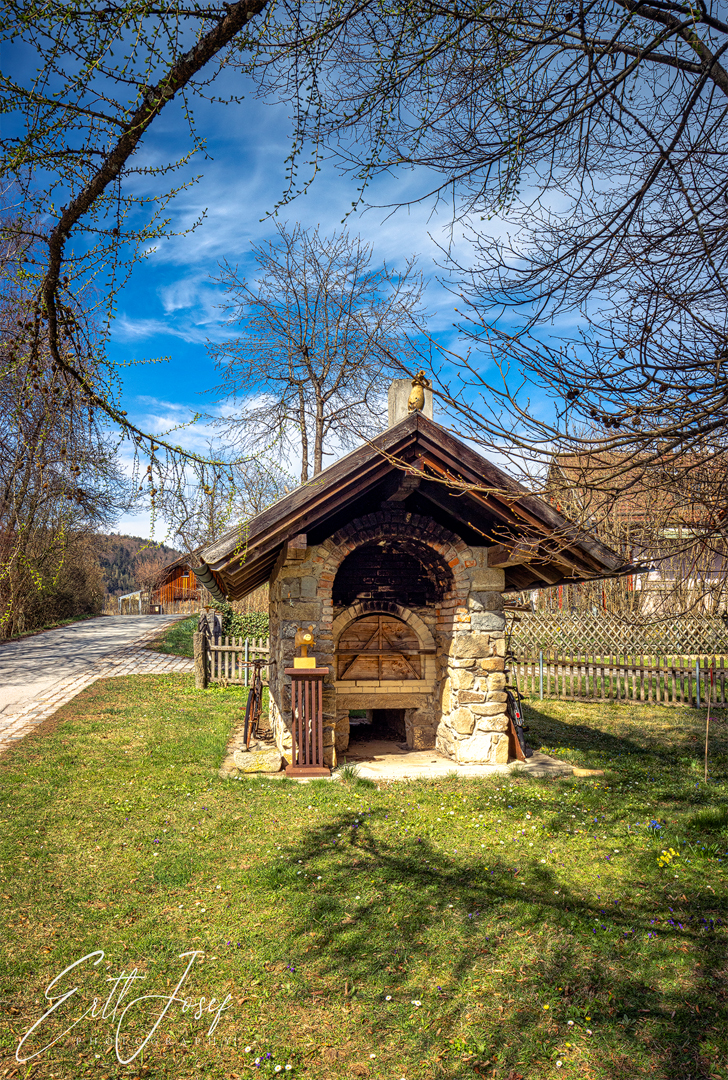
(383, 760)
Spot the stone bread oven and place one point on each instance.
(409, 619)
(399, 556)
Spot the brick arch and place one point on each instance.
(371, 607)
(390, 524)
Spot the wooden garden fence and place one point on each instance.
(226, 661)
(659, 680)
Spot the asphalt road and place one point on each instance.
(31, 665)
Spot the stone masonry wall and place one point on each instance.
(463, 713)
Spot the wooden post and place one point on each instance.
(199, 647)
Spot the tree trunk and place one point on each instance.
(318, 445)
(304, 436)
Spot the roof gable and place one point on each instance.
(420, 466)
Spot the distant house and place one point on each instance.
(661, 514)
(175, 583)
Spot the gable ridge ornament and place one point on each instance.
(416, 402)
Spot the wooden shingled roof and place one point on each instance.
(427, 471)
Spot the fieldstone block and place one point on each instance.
(492, 723)
(445, 745)
(490, 708)
(306, 612)
(485, 748)
(496, 681)
(461, 662)
(462, 721)
(470, 645)
(462, 679)
(488, 620)
(342, 733)
(492, 663)
(496, 695)
(446, 698)
(485, 601)
(482, 577)
(466, 696)
(262, 759)
(423, 738)
(309, 586)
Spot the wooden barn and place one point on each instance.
(176, 584)
(398, 558)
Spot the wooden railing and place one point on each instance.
(227, 662)
(658, 680)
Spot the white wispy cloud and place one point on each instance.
(129, 328)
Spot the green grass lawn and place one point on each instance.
(454, 929)
(177, 638)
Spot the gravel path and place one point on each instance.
(41, 673)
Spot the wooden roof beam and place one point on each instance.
(521, 551)
(438, 496)
(524, 507)
(334, 501)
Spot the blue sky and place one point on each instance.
(171, 305)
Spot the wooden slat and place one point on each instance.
(593, 676)
(227, 660)
(601, 678)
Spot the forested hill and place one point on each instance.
(117, 554)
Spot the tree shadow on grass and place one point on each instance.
(581, 735)
(428, 912)
(655, 759)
